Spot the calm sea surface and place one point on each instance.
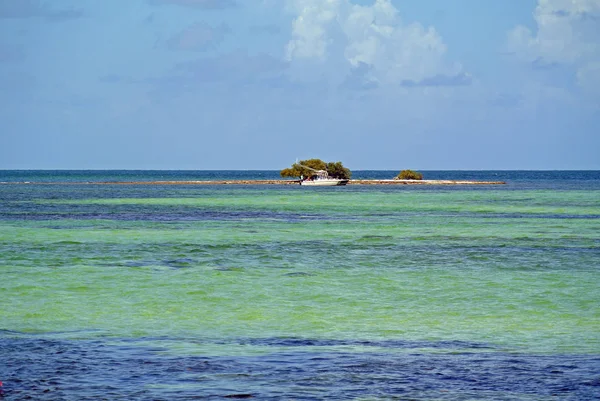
(162, 292)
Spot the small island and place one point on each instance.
(303, 172)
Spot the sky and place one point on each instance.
(257, 84)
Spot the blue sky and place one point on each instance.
(256, 84)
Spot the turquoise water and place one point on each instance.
(277, 292)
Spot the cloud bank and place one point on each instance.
(371, 38)
(568, 33)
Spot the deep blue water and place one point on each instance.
(93, 370)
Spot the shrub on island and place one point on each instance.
(409, 175)
(337, 170)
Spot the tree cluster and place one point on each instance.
(334, 169)
(409, 175)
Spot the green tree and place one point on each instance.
(409, 175)
(336, 170)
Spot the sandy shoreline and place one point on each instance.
(266, 182)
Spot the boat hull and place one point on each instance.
(324, 182)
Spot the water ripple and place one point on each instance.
(44, 369)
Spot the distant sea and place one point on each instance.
(568, 178)
(268, 292)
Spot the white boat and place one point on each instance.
(324, 182)
(322, 179)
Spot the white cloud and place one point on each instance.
(310, 28)
(334, 31)
(568, 32)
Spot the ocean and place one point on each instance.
(271, 292)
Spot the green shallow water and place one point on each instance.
(528, 201)
(517, 270)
